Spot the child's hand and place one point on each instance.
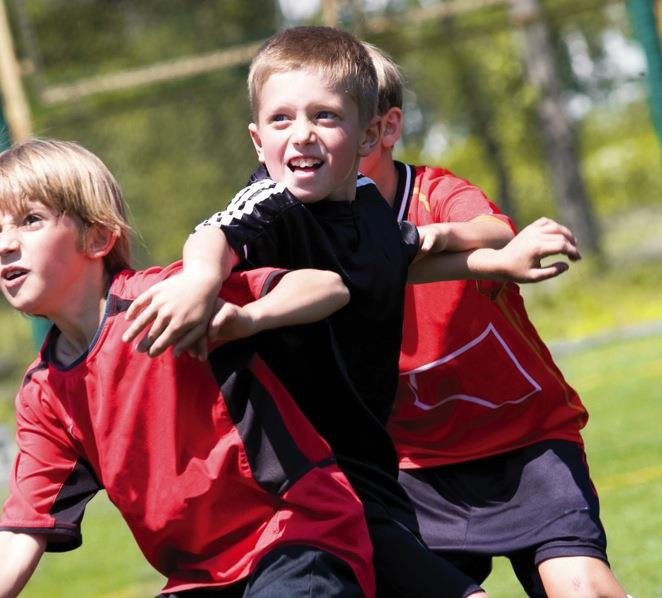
(178, 309)
(230, 322)
(433, 238)
(519, 260)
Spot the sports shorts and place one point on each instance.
(530, 505)
(289, 572)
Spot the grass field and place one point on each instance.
(619, 383)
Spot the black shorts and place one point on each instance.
(289, 572)
(529, 505)
(404, 566)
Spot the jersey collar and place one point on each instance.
(403, 192)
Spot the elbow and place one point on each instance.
(338, 289)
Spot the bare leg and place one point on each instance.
(579, 577)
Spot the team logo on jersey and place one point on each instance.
(484, 371)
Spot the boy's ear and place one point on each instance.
(370, 137)
(391, 127)
(257, 141)
(98, 241)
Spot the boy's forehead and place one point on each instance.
(18, 204)
(332, 87)
(317, 74)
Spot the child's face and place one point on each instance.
(308, 136)
(40, 258)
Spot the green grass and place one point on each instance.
(619, 383)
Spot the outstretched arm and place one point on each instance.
(19, 557)
(179, 308)
(483, 231)
(518, 261)
(300, 297)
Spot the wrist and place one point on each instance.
(485, 263)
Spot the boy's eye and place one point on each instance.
(278, 118)
(326, 115)
(31, 219)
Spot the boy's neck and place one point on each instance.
(78, 324)
(385, 175)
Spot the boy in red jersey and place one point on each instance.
(226, 487)
(486, 427)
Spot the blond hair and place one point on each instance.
(67, 179)
(336, 55)
(389, 79)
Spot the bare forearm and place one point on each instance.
(207, 254)
(301, 297)
(482, 232)
(518, 261)
(19, 557)
(444, 266)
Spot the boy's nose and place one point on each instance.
(303, 132)
(8, 241)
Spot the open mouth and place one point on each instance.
(304, 164)
(13, 274)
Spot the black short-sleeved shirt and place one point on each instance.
(359, 239)
(345, 371)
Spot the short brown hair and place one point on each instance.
(336, 55)
(389, 79)
(70, 180)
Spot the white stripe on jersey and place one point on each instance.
(362, 180)
(244, 202)
(404, 201)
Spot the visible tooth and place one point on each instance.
(305, 163)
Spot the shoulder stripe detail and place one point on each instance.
(363, 180)
(406, 194)
(244, 203)
(42, 365)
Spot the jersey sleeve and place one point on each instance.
(50, 484)
(410, 239)
(252, 213)
(453, 199)
(243, 287)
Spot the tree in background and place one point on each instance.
(558, 135)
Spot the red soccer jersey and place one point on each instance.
(210, 463)
(475, 377)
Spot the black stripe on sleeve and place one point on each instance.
(69, 507)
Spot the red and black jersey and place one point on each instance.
(211, 463)
(476, 379)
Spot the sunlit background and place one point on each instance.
(553, 107)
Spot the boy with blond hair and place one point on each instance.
(226, 487)
(486, 427)
(313, 96)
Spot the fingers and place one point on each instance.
(546, 272)
(140, 314)
(558, 245)
(138, 325)
(194, 343)
(163, 334)
(551, 227)
(427, 243)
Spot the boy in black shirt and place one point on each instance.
(313, 94)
